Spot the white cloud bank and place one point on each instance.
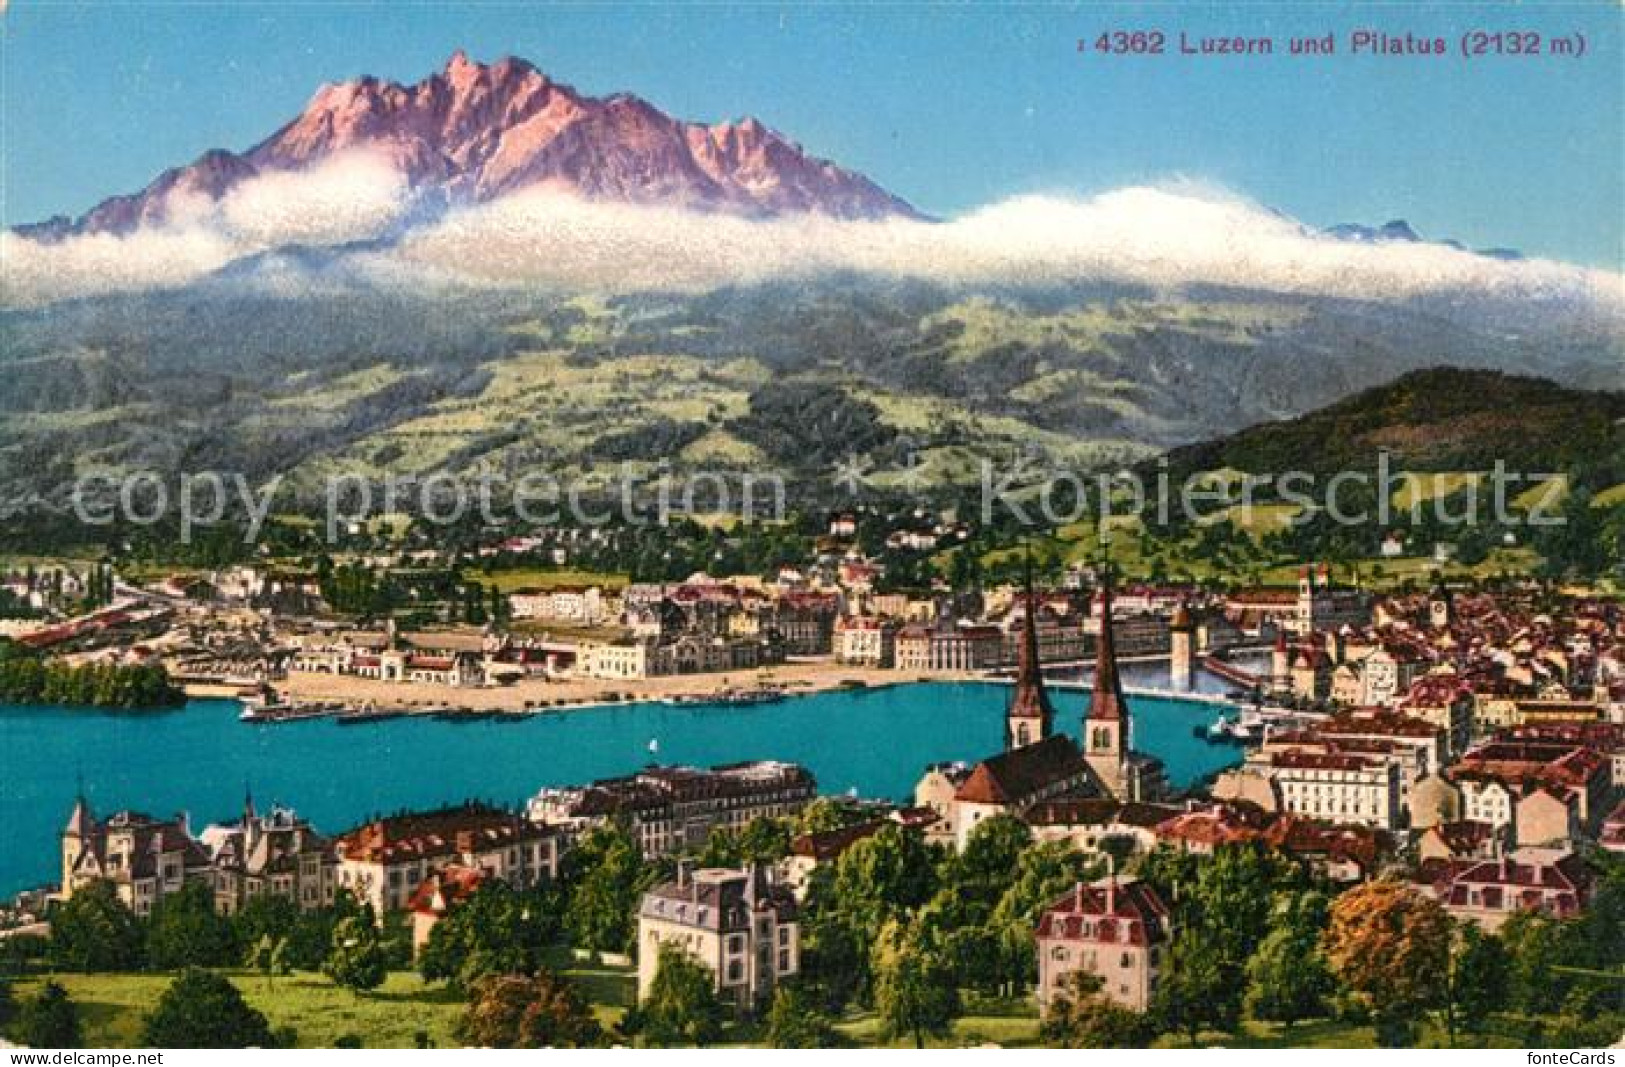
(1166, 237)
(348, 198)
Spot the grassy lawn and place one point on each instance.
(113, 1006)
(1010, 1031)
(611, 990)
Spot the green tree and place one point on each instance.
(266, 914)
(1081, 1016)
(1193, 991)
(497, 930)
(49, 1019)
(764, 840)
(186, 931)
(915, 993)
(1287, 978)
(834, 957)
(356, 959)
(830, 813)
(1389, 945)
(992, 851)
(608, 876)
(310, 937)
(1043, 872)
(95, 931)
(1600, 930)
(721, 849)
(794, 1021)
(682, 1007)
(1479, 970)
(1534, 945)
(540, 1010)
(201, 1009)
(880, 876)
(1223, 901)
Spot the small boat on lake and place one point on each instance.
(1246, 728)
(729, 697)
(284, 712)
(368, 714)
(467, 714)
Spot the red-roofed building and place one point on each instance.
(1462, 839)
(1488, 892)
(865, 641)
(1115, 929)
(1092, 825)
(671, 809)
(1496, 775)
(1203, 830)
(1012, 781)
(384, 862)
(437, 895)
(1442, 700)
(1341, 853)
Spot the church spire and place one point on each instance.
(82, 820)
(1031, 716)
(1106, 726)
(1106, 700)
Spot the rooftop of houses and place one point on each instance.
(1463, 837)
(827, 845)
(656, 787)
(141, 839)
(1529, 878)
(1098, 811)
(1111, 911)
(445, 888)
(1018, 775)
(1611, 836)
(463, 829)
(1233, 822)
(719, 899)
(1530, 764)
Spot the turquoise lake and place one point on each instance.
(199, 758)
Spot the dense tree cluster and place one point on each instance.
(537, 1010)
(201, 1009)
(28, 678)
(811, 424)
(496, 931)
(911, 932)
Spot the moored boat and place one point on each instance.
(729, 697)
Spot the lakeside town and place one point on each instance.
(1446, 761)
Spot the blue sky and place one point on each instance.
(948, 107)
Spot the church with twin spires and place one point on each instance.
(1040, 764)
